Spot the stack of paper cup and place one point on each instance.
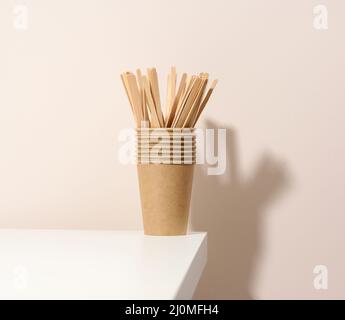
(166, 159)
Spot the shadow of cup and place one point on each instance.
(232, 210)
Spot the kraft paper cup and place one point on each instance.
(177, 153)
(173, 159)
(146, 145)
(165, 188)
(160, 161)
(175, 139)
(167, 160)
(165, 192)
(164, 142)
(164, 148)
(166, 154)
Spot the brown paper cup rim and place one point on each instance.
(165, 143)
(164, 161)
(167, 152)
(190, 137)
(166, 158)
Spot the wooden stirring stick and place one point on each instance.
(204, 102)
(183, 108)
(151, 105)
(139, 75)
(135, 94)
(171, 91)
(128, 96)
(153, 81)
(167, 103)
(143, 99)
(176, 100)
(182, 100)
(194, 108)
(188, 102)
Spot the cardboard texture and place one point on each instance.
(165, 192)
(165, 170)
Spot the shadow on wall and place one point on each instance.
(232, 210)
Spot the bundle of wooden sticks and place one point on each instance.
(183, 105)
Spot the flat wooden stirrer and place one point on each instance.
(204, 102)
(176, 100)
(153, 80)
(151, 105)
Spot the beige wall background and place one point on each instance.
(279, 209)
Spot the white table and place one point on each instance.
(75, 264)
